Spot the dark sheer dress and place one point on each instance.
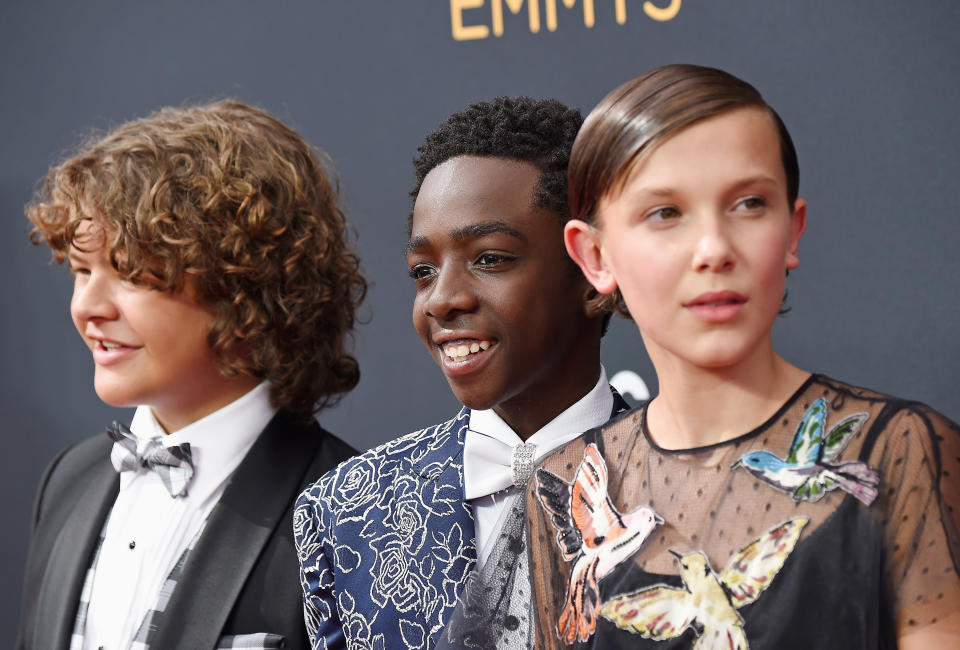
(821, 528)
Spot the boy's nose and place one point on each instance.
(92, 299)
(713, 248)
(450, 296)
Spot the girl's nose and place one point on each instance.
(714, 249)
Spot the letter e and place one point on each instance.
(461, 32)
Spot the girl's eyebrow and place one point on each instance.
(760, 179)
(654, 192)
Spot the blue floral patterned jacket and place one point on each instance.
(386, 542)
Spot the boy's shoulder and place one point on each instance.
(79, 456)
(425, 452)
(75, 463)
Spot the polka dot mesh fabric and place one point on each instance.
(494, 610)
(823, 527)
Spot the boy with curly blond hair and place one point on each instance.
(216, 291)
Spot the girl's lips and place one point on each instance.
(714, 297)
(717, 306)
(717, 312)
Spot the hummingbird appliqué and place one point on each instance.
(708, 603)
(811, 468)
(591, 533)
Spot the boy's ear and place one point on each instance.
(584, 248)
(798, 223)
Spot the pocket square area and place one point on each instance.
(260, 640)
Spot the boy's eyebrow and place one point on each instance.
(416, 243)
(470, 231)
(486, 228)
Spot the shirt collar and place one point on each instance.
(218, 441)
(591, 410)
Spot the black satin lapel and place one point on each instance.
(252, 506)
(70, 558)
(619, 404)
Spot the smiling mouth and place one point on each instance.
(460, 350)
(110, 346)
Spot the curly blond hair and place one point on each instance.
(236, 200)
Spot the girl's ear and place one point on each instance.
(798, 223)
(584, 247)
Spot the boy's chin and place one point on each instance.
(117, 402)
(473, 399)
(113, 395)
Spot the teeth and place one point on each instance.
(463, 350)
(110, 346)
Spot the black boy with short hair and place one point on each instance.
(387, 539)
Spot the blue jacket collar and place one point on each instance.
(445, 448)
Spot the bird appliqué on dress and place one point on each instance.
(810, 469)
(591, 533)
(708, 603)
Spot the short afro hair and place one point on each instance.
(538, 131)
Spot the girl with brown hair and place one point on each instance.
(792, 510)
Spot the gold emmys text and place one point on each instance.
(662, 11)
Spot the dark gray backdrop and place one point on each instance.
(869, 90)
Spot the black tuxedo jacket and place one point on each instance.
(240, 578)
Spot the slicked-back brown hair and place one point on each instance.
(232, 198)
(636, 117)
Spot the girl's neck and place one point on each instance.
(699, 406)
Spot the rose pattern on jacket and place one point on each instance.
(386, 542)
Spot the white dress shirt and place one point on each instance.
(591, 410)
(148, 529)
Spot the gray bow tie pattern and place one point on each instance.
(174, 464)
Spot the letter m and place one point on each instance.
(588, 18)
(515, 6)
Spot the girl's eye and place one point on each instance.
(421, 271)
(752, 203)
(663, 214)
